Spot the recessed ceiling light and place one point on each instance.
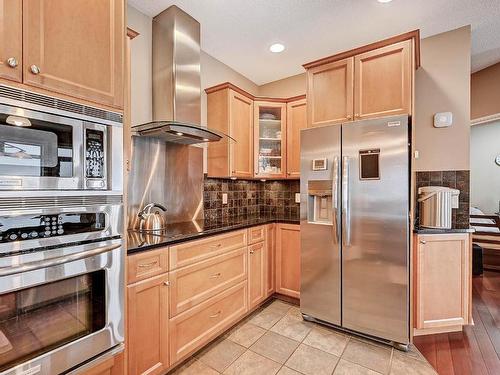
(277, 48)
(384, 1)
(179, 134)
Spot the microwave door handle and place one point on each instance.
(335, 198)
(31, 266)
(346, 202)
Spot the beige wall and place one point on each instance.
(442, 84)
(140, 67)
(285, 88)
(214, 72)
(485, 92)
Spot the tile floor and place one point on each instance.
(276, 340)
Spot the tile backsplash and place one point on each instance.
(453, 179)
(249, 197)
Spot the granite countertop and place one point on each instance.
(442, 231)
(187, 231)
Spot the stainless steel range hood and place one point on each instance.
(176, 81)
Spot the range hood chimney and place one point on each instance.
(176, 81)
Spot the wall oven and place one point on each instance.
(52, 148)
(61, 282)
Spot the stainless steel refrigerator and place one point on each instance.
(354, 217)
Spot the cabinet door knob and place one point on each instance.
(35, 69)
(12, 62)
(252, 251)
(349, 117)
(166, 283)
(423, 242)
(356, 115)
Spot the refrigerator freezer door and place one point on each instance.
(319, 223)
(375, 215)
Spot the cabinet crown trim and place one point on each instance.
(229, 85)
(415, 35)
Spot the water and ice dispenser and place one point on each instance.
(320, 207)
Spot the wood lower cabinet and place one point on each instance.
(288, 260)
(296, 113)
(257, 265)
(195, 327)
(442, 282)
(271, 259)
(256, 234)
(147, 322)
(75, 48)
(110, 366)
(198, 282)
(11, 31)
(231, 113)
(192, 252)
(383, 81)
(330, 93)
(147, 264)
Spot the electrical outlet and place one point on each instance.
(297, 197)
(224, 198)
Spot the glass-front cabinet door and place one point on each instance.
(270, 139)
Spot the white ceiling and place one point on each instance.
(239, 32)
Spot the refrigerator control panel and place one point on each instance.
(320, 164)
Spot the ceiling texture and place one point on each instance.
(239, 32)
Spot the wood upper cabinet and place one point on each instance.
(75, 48)
(11, 31)
(269, 139)
(288, 260)
(271, 264)
(257, 272)
(383, 81)
(147, 321)
(442, 282)
(296, 113)
(330, 93)
(231, 113)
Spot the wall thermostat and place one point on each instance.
(443, 119)
(319, 164)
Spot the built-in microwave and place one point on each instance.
(44, 150)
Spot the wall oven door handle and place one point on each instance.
(346, 209)
(31, 266)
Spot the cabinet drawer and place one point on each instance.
(256, 234)
(192, 329)
(194, 284)
(195, 251)
(147, 264)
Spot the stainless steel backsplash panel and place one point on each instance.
(165, 173)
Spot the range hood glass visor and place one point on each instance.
(177, 132)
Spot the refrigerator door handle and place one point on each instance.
(346, 209)
(335, 198)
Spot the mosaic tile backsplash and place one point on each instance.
(245, 197)
(453, 179)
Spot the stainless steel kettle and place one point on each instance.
(152, 217)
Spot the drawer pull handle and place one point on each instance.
(216, 246)
(423, 242)
(215, 315)
(215, 275)
(252, 251)
(166, 283)
(147, 265)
